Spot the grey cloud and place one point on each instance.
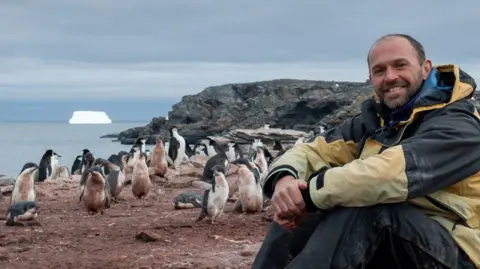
(47, 44)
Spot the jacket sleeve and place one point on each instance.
(334, 147)
(444, 150)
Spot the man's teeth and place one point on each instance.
(395, 89)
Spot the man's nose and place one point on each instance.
(391, 75)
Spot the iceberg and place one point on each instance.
(89, 117)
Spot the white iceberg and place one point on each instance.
(89, 117)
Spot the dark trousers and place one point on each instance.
(380, 236)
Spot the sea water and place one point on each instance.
(26, 142)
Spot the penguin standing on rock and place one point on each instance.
(215, 197)
(45, 165)
(177, 147)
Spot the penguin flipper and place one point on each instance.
(108, 196)
(169, 160)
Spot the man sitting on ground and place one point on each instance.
(397, 186)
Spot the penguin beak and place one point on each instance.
(56, 154)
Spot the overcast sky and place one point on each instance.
(155, 48)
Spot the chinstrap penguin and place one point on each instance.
(22, 213)
(249, 188)
(24, 188)
(187, 200)
(96, 194)
(215, 198)
(158, 162)
(177, 147)
(45, 165)
(141, 179)
(77, 165)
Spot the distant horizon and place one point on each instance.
(126, 110)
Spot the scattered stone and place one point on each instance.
(246, 136)
(3, 254)
(147, 236)
(6, 189)
(6, 181)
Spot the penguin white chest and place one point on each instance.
(211, 151)
(231, 154)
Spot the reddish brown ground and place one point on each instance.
(68, 237)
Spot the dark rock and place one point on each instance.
(109, 136)
(6, 180)
(285, 103)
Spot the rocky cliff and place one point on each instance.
(302, 105)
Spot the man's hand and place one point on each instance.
(287, 200)
(288, 223)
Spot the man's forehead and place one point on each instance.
(391, 48)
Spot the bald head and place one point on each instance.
(417, 46)
(397, 68)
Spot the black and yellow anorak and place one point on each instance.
(427, 154)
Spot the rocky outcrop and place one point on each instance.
(267, 136)
(302, 105)
(285, 103)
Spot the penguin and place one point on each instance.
(140, 179)
(158, 161)
(187, 200)
(140, 143)
(121, 153)
(148, 153)
(118, 161)
(45, 165)
(219, 159)
(257, 142)
(234, 187)
(106, 165)
(29, 165)
(131, 159)
(200, 150)
(116, 181)
(88, 157)
(24, 188)
(54, 164)
(190, 150)
(250, 189)
(176, 150)
(277, 145)
(77, 165)
(22, 212)
(60, 172)
(85, 154)
(212, 147)
(231, 153)
(261, 162)
(96, 194)
(215, 197)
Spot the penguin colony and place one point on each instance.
(228, 172)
